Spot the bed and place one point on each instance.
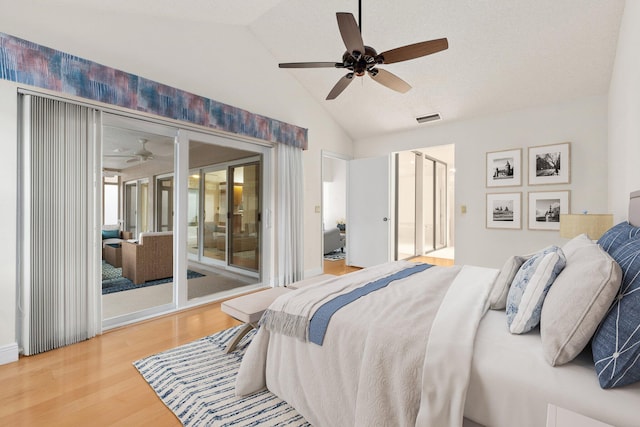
(424, 349)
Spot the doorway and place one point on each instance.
(334, 212)
(424, 200)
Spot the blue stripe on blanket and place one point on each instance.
(320, 319)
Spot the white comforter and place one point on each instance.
(399, 356)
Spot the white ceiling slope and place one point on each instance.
(503, 55)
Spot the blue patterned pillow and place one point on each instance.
(617, 235)
(616, 343)
(530, 287)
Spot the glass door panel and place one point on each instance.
(244, 227)
(193, 214)
(130, 207)
(215, 215)
(441, 205)
(143, 218)
(164, 205)
(428, 206)
(406, 205)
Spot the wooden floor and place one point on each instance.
(93, 383)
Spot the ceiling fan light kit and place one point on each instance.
(360, 59)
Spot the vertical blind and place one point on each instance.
(290, 215)
(60, 291)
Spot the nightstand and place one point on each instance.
(560, 417)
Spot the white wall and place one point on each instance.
(582, 122)
(624, 114)
(8, 195)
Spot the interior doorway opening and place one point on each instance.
(334, 212)
(425, 183)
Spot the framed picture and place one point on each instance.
(504, 168)
(504, 210)
(545, 208)
(550, 164)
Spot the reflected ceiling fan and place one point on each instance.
(140, 155)
(360, 59)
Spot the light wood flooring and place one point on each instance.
(94, 382)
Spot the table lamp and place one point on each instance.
(593, 225)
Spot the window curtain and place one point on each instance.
(59, 289)
(290, 214)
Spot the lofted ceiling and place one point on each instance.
(503, 55)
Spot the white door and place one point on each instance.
(369, 223)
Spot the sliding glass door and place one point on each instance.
(214, 243)
(164, 203)
(244, 237)
(434, 198)
(224, 215)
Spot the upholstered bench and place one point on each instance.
(249, 308)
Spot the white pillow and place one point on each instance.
(575, 244)
(498, 297)
(578, 300)
(529, 288)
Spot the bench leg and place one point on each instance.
(239, 335)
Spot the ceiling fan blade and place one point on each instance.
(340, 86)
(350, 32)
(390, 80)
(311, 65)
(134, 160)
(413, 51)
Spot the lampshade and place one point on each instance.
(572, 225)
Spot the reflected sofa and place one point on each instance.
(150, 258)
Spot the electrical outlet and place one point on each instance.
(317, 208)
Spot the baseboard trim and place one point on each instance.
(9, 353)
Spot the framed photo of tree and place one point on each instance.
(545, 208)
(550, 164)
(504, 168)
(504, 210)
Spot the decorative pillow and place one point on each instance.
(575, 244)
(615, 346)
(110, 234)
(617, 235)
(529, 288)
(498, 297)
(578, 300)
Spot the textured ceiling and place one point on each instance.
(503, 55)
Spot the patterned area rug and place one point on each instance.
(196, 381)
(112, 280)
(335, 255)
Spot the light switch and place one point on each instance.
(317, 208)
(463, 209)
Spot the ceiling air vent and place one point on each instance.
(429, 118)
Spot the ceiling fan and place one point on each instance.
(140, 155)
(360, 59)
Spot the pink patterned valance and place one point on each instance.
(29, 63)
